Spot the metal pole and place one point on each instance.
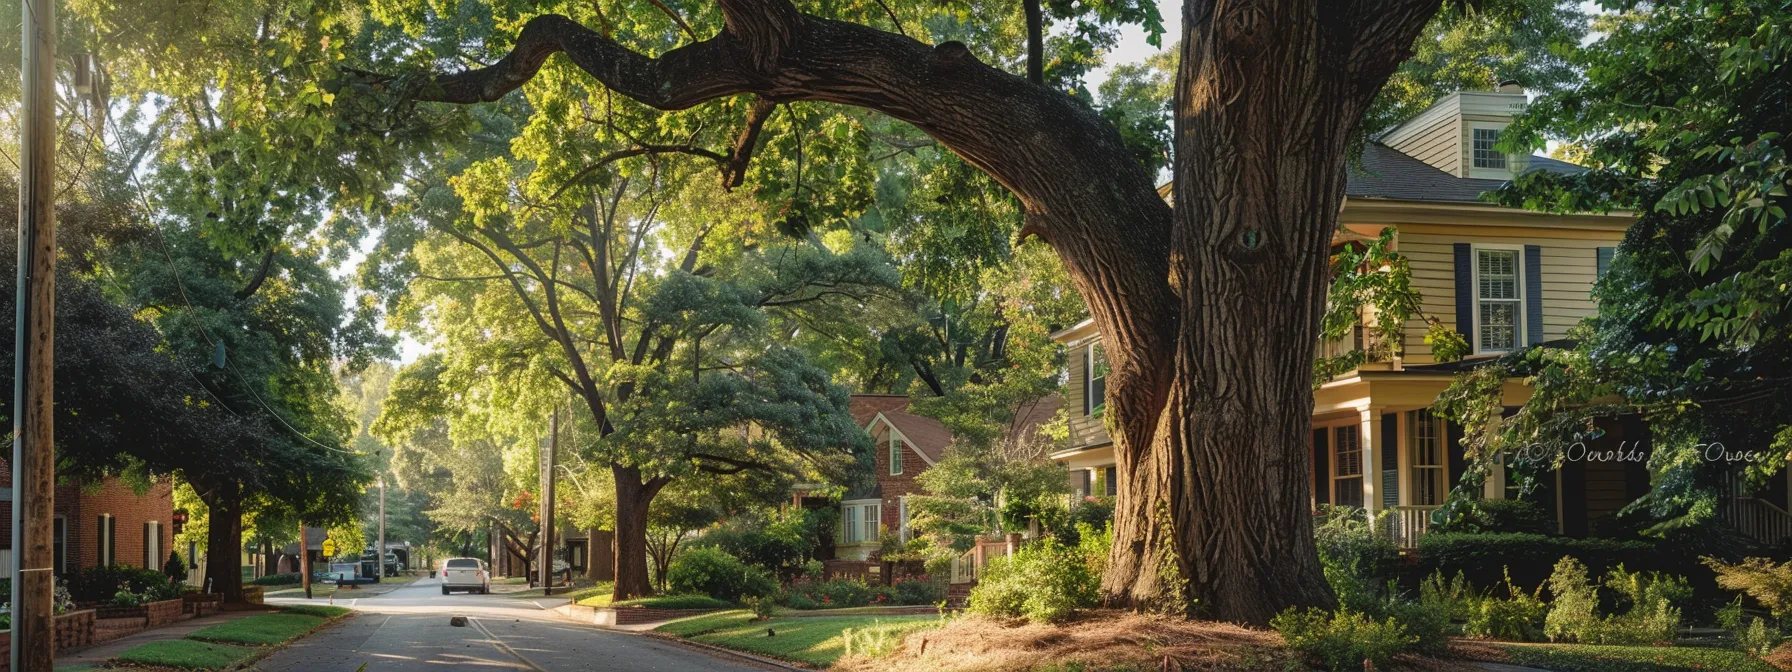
(379, 554)
(33, 445)
(547, 504)
(304, 561)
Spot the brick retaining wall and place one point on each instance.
(74, 629)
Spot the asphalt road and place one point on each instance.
(407, 629)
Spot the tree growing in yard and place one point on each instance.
(1682, 118)
(1209, 396)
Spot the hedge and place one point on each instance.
(1484, 558)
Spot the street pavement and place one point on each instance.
(408, 629)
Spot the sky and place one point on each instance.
(1133, 48)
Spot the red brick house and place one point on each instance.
(110, 525)
(906, 445)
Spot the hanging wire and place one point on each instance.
(180, 285)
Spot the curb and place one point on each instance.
(717, 651)
(721, 651)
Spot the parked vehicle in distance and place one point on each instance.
(466, 574)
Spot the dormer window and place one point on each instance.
(1485, 155)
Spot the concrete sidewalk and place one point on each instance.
(103, 651)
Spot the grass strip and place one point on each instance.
(260, 630)
(1586, 658)
(186, 654)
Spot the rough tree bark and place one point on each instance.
(223, 538)
(1209, 313)
(633, 495)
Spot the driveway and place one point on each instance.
(407, 629)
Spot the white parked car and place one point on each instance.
(466, 574)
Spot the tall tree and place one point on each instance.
(1210, 391)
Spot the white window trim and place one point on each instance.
(1089, 400)
(1518, 323)
(1331, 447)
(152, 546)
(108, 545)
(1487, 173)
(895, 449)
(854, 533)
(1409, 459)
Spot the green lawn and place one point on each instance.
(186, 654)
(1584, 658)
(260, 629)
(817, 640)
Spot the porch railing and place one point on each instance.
(968, 566)
(1407, 523)
(1759, 519)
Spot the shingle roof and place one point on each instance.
(1387, 173)
(864, 407)
(927, 434)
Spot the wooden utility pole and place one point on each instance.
(34, 439)
(304, 561)
(546, 556)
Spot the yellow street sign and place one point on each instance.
(329, 548)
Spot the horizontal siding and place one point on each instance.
(1436, 144)
(1085, 430)
(1569, 269)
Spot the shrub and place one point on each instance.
(102, 584)
(762, 607)
(1574, 605)
(1498, 516)
(834, 594)
(1519, 616)
(1044, 581)
(1484, 559)
(712, 572)
(780, 545)
(175, 568)
(1357, 560)
(1342, 640)
(276, 580)
(1759, 578)
(1652, 616)
(917, 590)
(1757, 639)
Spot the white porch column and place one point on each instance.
(1371, 437)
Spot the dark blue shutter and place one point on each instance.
(1605, 260)
(1465, 293)
(1390, 460)
(1322, 467)
(1533, 295)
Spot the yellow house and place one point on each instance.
(1504, 278)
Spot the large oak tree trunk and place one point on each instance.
(633, 496)
(224, 540)
(1209, 314)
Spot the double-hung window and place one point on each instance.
(152, 544)
(849, 518)
(1425, 457)
(1095, 380)
(1347, 466)
(1497, 300)
(1485, 155)
(872, 517)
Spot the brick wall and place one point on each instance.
(129, 512)
(80, 510)
(893, 487)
